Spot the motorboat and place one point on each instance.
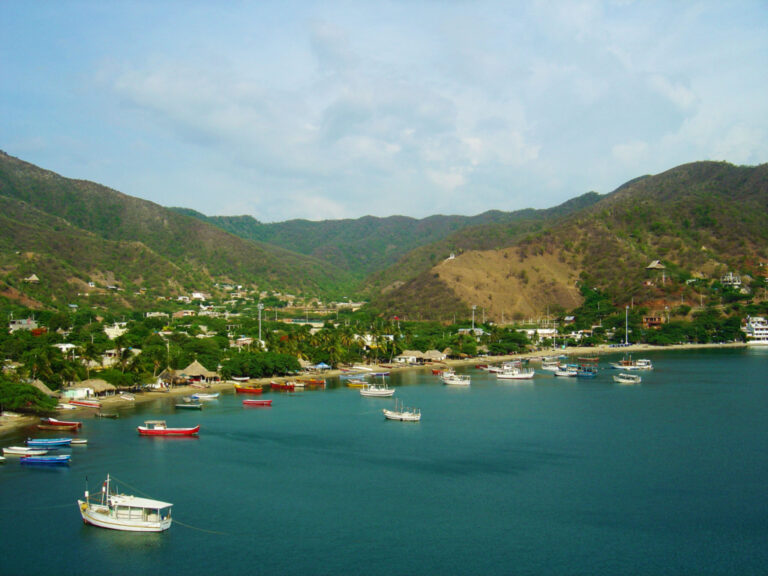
(160, 428)
(205, 396)
(516, 374)
(117, 511)
(629, 364)
(62, 423)
(453, 379)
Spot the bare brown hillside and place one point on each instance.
(508, 287)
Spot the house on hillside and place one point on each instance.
(22, 324)
(657, 267)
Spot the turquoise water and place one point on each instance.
(557, 476)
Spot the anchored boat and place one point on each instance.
(159, 428)
(123, 512)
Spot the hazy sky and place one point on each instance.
(330, 109)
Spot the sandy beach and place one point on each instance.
(8, 424)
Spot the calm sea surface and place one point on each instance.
(557, 476)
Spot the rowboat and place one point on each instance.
(248, 402)
(107, 415)
(190, 405)
(622, 378)
(86, 403)
(48, 442)
(62, 423)
(203, 396)
(312, 381)
(241, 378)
(23, 451)
(123, 512)
(244, 389)
(62, 460)
(127, 396)
(290, 386)
(159, 428)
(356, 383)
(79, 441)
(402, 414)
(71, 428)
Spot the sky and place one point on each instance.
(341, 109)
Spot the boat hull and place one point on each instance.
(402, 416)
(144, 431)
(46, 460)
(240, 389)
(48, 442)
(86, 403)
(257, 402)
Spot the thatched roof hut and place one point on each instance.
(197, 370)
(100, 387)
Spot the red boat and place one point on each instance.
(437, 371)
(62, 423)
(283, 386)
(86, 403)
(257, 402)
(313, 382)
(244, 389)
(159, 428)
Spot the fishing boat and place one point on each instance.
(23, 451)
(62, 460)
(516, 374)
(622, 378)
(123, 512)
(244, 389)
(86, 403)
(160, 428)
(377, 391)
(248, 402)
(62, 423)
(205, 396)
(452, 379)
(48, 442)
(402, 413)
(629, 364)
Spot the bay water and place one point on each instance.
(550, 476)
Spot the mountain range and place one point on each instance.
(699, 220)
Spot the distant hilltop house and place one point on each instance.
(23, 324)
(116, 330)
(656, 265)
(731, 279)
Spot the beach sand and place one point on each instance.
(110, 403)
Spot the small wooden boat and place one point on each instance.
(241, 378)
(402, 414)
(59, 428)
(190, 405)
(312, 382)
(160, 428)
(127, 396)
(79, 441)
(23, 451)
(86, 403)
(356, 383)
(248, 402)
(123, 512)
(48, 442)
(62, 460)
(204, 397)
(62, 423)
(245, 389)
(107, 415)
(289, 386)
(622, 378)
(61, 406)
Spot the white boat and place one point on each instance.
(402, 414)
(756, 330)
(622, 378)
(568, 371)
(65, 407)
(550, 364)
(127, 396)
(516, 374)
(453, 379)
(377, 391)
(23, 451)
(629, 364)
(123, 512)
(203, 397)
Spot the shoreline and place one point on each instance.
(9, 425)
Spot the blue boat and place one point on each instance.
(48, 442)
(47, 460)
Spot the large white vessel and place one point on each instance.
(756, 330)
(123, 512)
